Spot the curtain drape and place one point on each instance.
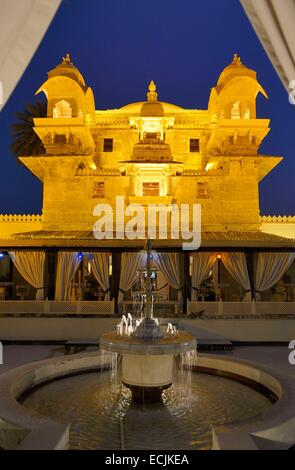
(169, 265)
(202, 264)
(270, 269)
(30, 265)
(131, 263)
(235, 263)
(67, 265)
(100, 268)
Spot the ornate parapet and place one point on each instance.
(20, 218)
(275, 219)
(11, 224)
(283, 225)
(98, 172)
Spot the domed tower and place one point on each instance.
(233, 145)
(232, 109)
(68, 134)
(70, 112)
(234, 96)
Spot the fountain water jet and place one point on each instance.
(148, 353)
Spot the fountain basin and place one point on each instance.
(182, 342)
(147, 365)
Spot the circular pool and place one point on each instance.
(104, 417)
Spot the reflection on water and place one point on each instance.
(96, 410)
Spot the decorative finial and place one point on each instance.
(152, 95)
(237, 59)
(66, 59)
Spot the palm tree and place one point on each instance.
(25, 139)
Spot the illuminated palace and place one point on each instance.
(149, 152)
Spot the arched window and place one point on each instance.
(62, 109)
(235, 111)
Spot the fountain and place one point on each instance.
(148, 353)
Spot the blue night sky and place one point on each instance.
(119, 46)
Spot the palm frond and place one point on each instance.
(25, 140)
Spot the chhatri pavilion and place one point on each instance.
(149, 152)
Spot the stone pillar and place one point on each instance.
(50, 271)
(10, 288)
(147, 375)
(251, 272)
(115, 280)
(186, 282)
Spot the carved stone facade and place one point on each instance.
(152, 149)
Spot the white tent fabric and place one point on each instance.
(270, 269)
(169, 265)
(67, 265)
(273, 22)
(22, 27)
(235, 263)
(131, 263)
(30, 265)
(202, 263)
(100, 266)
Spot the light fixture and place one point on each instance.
(2, 255)
(80, 256)
(209, 166)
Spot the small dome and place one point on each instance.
(235, 69)
(152, 107)
(67, 69)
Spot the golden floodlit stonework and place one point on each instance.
(151, 152)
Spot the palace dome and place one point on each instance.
(136, 107)
(67, 69)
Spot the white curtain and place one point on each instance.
(100, 268)
(131, 263)
(67, 265)
(30, 265)
(270, 269)
(235, 263)
(202, 264)
(169, 265)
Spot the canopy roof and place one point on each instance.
(82, 239)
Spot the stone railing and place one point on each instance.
(274, 219)
(240, 309)
(55, 307)
(162, 308)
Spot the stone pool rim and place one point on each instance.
(34, 431)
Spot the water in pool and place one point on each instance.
(102, 417)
